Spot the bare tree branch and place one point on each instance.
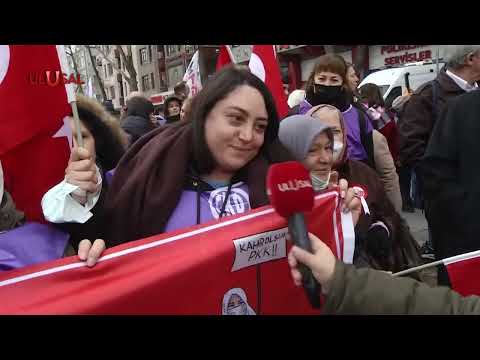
(112, 62)
(94, 66)
(69, 52)
(128, 61)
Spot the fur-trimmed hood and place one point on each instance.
(99, 111)
(111, 140)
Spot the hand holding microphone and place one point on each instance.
(291, 194)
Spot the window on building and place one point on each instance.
(105, 70)
(163, 79)
(152, 78)
(149, 53)
(175, 75)
(112, 92)
(143, 56)
(173, 49)
(125, 88)
(146, 83)
(110, 70)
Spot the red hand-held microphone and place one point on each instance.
(291, 194)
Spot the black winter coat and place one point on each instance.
(419, 115)
(136, 127)
(451, 175)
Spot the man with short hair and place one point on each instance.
(423, 108)
(181, 90)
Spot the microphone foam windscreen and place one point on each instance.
(289, 188)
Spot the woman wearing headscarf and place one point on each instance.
(383, 240)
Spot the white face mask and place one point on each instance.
(319, 184)
(238, 310)
(337, 150)
(1, 182)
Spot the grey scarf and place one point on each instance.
(297, 133)
(10, 217)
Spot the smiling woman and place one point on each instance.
(211, 165)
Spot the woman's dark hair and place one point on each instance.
(371, 94)
(329, 62)
(139, 106)
(216, 89)
(108, 147)
(169, 100)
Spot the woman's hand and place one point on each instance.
(321, 262)
(91, 253)
(82, 172)
(349, 201)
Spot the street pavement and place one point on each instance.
(418, 225)
(419, 229)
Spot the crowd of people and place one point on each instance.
(148, 173)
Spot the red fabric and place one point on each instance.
(273, 78)
(390, 131)
(464, 276)
(32, 160)
(183, 276)
(223, 58)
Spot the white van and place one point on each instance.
(392, 82)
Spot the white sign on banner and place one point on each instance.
(192, 76)
(260, 248)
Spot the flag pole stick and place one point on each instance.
(76, 122)
(71, 96)
(418, 268)
(445, 261)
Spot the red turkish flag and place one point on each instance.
(464, 273)
(264, 64)
(224, 57)
(236, 265)
(34, 134)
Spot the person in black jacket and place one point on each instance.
(423, 109)
(452, 177)
(139, 118)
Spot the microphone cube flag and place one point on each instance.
(289, 188)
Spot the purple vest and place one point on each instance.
(185, 214)
(356, 151)
(30, 244)
(304, 107)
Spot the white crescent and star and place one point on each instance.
(66, 130)
(4, 61)
(256, 66)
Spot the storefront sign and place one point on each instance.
(382, 56)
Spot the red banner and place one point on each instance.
(234, 266)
